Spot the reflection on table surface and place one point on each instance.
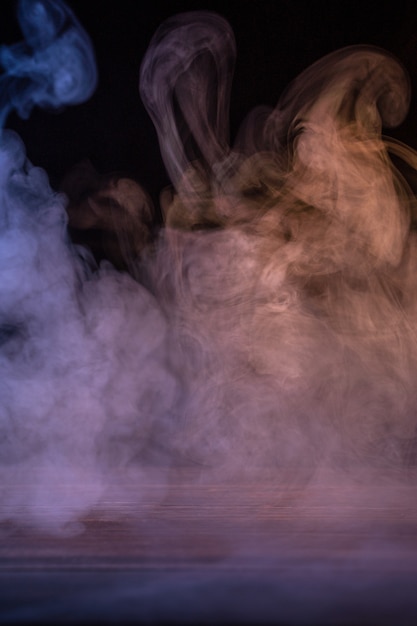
(221, 553)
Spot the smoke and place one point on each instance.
(266, 333)
(53, 67)
(292, 300)
(83, 373)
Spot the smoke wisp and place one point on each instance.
(266, 333)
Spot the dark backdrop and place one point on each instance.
(276, 40)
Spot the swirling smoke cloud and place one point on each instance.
(269, 331)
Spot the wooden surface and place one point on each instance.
(222, 553)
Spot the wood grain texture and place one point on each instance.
(222, 553)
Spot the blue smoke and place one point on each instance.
(53, 67)
(76, 375)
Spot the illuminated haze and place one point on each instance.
(268, 333)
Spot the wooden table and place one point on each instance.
(222, 553)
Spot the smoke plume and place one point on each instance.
(266, 333)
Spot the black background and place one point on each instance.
(276, 40)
